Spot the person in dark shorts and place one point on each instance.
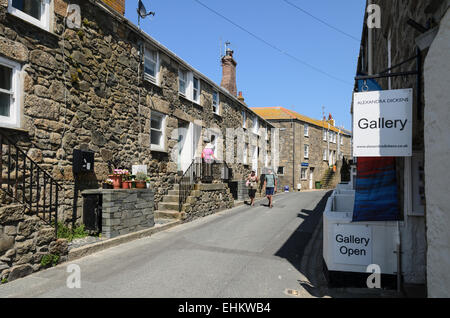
(270, 183)
(252, 184)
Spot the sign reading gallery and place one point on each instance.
(382, 123)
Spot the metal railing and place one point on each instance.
(200, 170)
(23, 180)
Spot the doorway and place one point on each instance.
(311, 178)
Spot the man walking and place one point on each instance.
(270, 183)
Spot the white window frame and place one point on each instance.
(324, 135)
(255, 125)
(196, 100)
(43, 23)
(245, 159)
(147, 57)
(280, 173)
(306, 151)
(244, 119)
(306, 130)
(13, 120)
(161, 146)
(184, 79)
(324, 154)
(304, 173)
(216, 102)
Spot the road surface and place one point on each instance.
(243, 252)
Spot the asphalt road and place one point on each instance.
(243, 252)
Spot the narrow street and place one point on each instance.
(242, 252)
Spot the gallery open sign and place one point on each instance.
(382, 123)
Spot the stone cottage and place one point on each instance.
(309, 148)
(79, 75)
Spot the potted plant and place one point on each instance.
(141, 180)
(117, 177)
(126, 182)
(108, 184)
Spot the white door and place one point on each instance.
(188, 145)
(311, 178)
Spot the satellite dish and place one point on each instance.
(142, 12)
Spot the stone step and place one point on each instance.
(168, 206)
(171, 198)
(176, 186)
(169, 214)
(174, 192)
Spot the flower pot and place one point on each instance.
(126, 185)
(117, 180)
(140, 185)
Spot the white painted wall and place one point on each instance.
(437, 161)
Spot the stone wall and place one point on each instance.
(24, 240)
(81, 90)
(125, 211)
(207, 199)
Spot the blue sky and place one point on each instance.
(264, 75)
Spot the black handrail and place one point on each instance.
(200, 170)
(188, 181)
(33, 193)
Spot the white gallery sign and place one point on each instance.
(352, 244)
(382, 123)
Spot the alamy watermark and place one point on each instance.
(74, 279)
(374, 16)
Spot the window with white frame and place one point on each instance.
(244, 119)
(196, 90)
(306, 130)
(306, 154)
(280, 171)
(36, 12)
(157, 131)
(182, 81)
(9, 92)
(151, 65)
(255, 124)
(303, 173)
(215, 102)
(324, 135)
(324, 157)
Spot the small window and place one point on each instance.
(9, 83)
(196, 90)
(306, 155)
(324, 157)
(151, 66)
(215, 102)
(244, 119)
(306, 128)
(324, 135)
(157, 135)
(303, 173)
(32, 11)
(182, 82)
(280, 171)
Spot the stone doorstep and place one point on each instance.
(102, 245)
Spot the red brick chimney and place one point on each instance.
(229, 72)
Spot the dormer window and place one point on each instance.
(182, 81)
(196, 90)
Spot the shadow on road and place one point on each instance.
(309, 263)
